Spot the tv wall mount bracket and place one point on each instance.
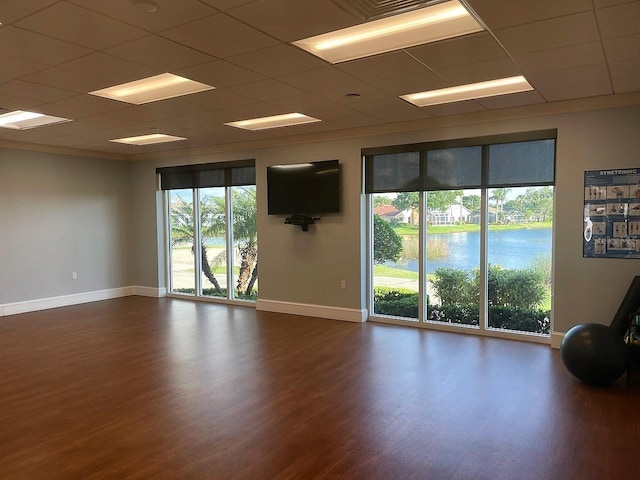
(301, 220)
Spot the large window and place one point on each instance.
(460, 232)
(212, 235)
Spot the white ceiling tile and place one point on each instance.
(11, 102)
(455, 108)
(112, 70)
(220, 35)
(382, 67)
(320, 80)
(458, 51)
(626, 84)
(81, 106)
(278, 60)
(66, 79)
(218, 99)
(226, 4)
(570, 76)
(34, 91)
(622, 48)
(625, 68)
(220, 74)
(242, 112)
(492, 12)
(511, 100)
(170, 13)
(17, 67)
(307, 104)
(391, 109)
(266, 90)
(80, 26)
(18, 43)
(411, 84)
(591, 80)
(12, 10)
(481, 71)
(590, 89)
(620, 20)
(549, 34)
(288, 20)
(159, 53)
(349, 118)
(610, 3)
(344, 95)
(561, 58)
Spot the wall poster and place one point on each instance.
(612, 213)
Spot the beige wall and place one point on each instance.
(306, 267)
(61, 214)
(103, 219)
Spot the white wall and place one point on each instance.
(61, 214)
(306, 267)
(102, 219)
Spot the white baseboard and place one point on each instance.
(149, 291)
(78, 298)
(320, 311)
(556, 339)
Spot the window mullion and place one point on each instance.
(484, 228)
(229, 237)
(197, 242)
(423, 291)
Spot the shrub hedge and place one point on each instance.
(404, 303)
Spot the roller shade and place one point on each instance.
(203, 175)
(486, 162)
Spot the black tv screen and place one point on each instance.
(304, 188)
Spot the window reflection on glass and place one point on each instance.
(396, 230)
(182, 236)
(453, 256)
(213, 228)
(519, 258)
(245, 243)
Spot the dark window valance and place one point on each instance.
(203, 175)
(495, 161)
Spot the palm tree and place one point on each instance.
(246, 235)
(212, 224)
(499, 195)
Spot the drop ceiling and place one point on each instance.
(53, 52)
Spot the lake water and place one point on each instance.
(511, 249)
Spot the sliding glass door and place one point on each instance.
(460, 234)
(212, 234)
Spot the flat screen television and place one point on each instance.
(304, 188)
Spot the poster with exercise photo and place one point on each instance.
(611, 227)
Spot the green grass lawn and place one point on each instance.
(384, 271)
(468, 227)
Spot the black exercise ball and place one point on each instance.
(594, 353)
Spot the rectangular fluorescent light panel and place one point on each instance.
(20, 120)
(471, 91)
(275, 121)
(429, 24)
(152, 89)
(148, 139)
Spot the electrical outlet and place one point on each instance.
(343, 284)
(74, 276)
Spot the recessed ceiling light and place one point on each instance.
(275, 121)
(148, 139)
(471, 91)
(152, 89)
(21, 120)
(429, 24)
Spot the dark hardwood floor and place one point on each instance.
(140, 388)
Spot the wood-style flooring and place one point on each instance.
(141, 388)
